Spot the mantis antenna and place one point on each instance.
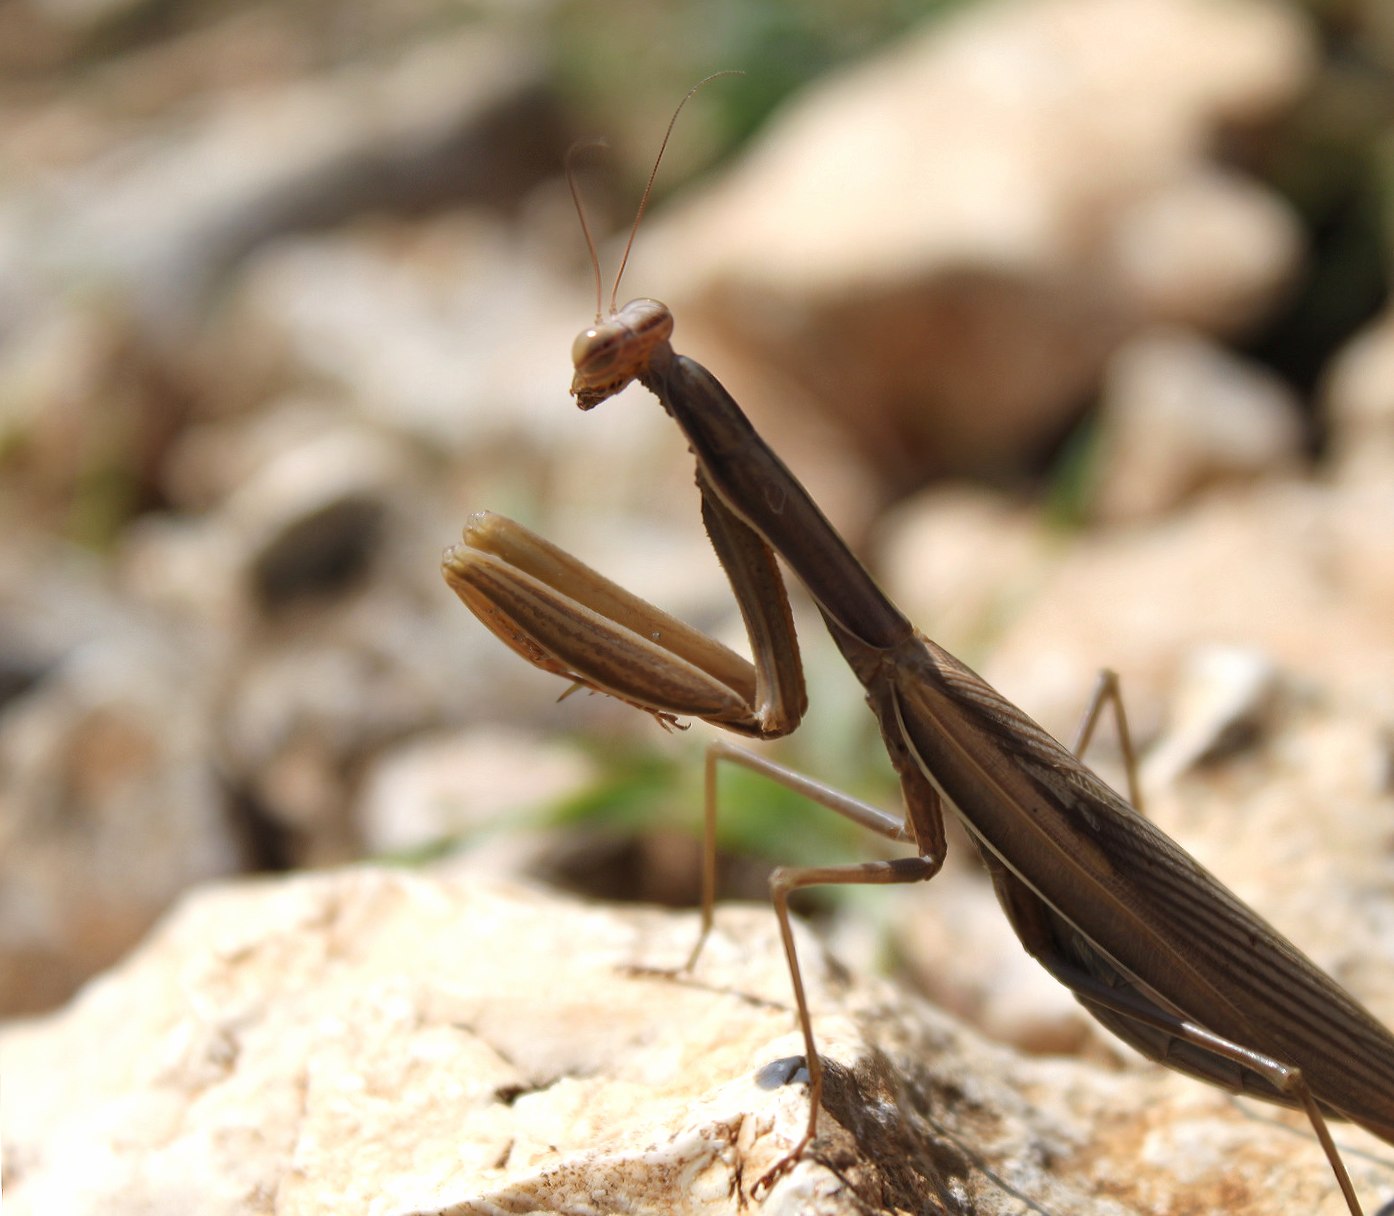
(570, 164)
(643, 201)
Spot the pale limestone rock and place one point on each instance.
(314, 514)
(1179, 415)
(453, 332)
(941, 245)
(1208, 250)
(109, 805)
(167, 205)
(1358, 401)
(962, 560)
(1224, 693)
(397, 1043)
(451, 785)
(306, 708)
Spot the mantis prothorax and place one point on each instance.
(1149, 942)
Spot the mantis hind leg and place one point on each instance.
(1285, 1078)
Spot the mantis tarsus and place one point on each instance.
(1149, 943)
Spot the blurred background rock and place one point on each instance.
(1071, 312)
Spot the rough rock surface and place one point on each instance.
(383, 1041)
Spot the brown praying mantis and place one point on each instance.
(1149, 942)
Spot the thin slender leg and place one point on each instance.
(1284, 1077)
(1107, 691)
(785, 880)
(863, 813)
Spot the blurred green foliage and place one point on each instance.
(645, 786)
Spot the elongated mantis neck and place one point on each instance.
(755, 483)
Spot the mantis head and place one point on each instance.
(609, 354)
